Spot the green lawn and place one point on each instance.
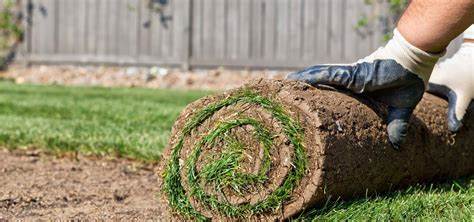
(132, 123)
(135, 123)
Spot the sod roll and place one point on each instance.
(270, 149)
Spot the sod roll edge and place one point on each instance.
(270, 149)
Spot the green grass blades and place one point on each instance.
(132, 123)
(179, 199)
(449, 201)
(224, 171)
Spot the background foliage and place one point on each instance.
(11, 32)
(387, 18)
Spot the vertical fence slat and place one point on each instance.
(72, 26)
(166, 21)
(35, 30)
(40, 25)
(336, 32)
(233, 28)
(364, 36)
(81, 27)
(295, 32)
(197, 28)
(67, 25)
(243, 32)
(220, 28)
(92, 20)
(270, 29)
(49, 21)
(208, 27)
(350, 29)
(124, 28)
(101, 31)
(282, 28)
(310, 35)
(180, 32)
(112, 25)
(256, 27)
(156, 34)
(145, 29)
(322, 44)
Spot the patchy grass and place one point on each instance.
(132, 123)
(135, 123)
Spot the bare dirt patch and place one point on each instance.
(36, 186)
(149, 77)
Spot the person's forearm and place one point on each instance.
(432, 24)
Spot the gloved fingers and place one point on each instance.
(397, 128)
(332, 75)
(457, 104)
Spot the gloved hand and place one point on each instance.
(454, 79)
(395, 75)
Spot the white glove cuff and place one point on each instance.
(412, 58)
(469, 33)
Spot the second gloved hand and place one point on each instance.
(454, 80)
(395, 75)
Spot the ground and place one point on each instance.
(35, 185)
(102, 146)
(154, 77)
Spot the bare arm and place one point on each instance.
(432, 24)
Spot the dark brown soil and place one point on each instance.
(346, 144)
(35, 186)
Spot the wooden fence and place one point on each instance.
(200, 33)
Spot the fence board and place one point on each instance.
(181, 29)
(270, 29)
(101, 37)
(220, 28)
(197, 42)
(295, 31)
(166, 28)
(256, 29)
(244, 28)
(233, 29)
(208, 33)
(91, 27)
(310, 27)
(282, 28)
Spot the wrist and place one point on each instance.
(413, 58)
(469, 33)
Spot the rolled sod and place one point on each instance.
(271, 149)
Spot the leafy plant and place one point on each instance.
(11, 32)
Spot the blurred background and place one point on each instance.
(239, 38)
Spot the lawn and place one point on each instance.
(135, 123)
(132, 123)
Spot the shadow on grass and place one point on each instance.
(395, 205)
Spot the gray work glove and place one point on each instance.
(395, 75)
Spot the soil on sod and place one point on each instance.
(39, 186)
